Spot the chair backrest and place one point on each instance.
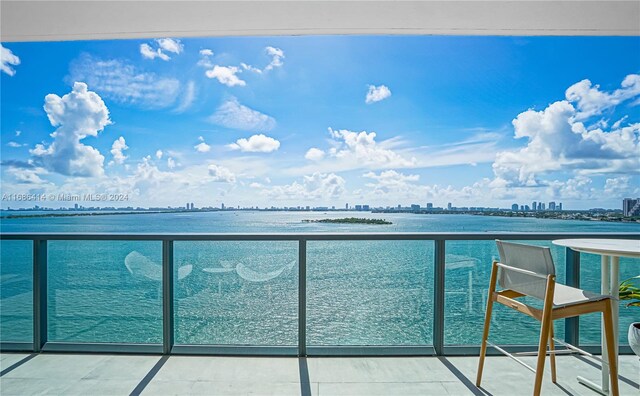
(536, 259)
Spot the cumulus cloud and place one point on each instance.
(277, 55)
(8, 59)
(256, 144)
(363, 148)
(124, 83)
(315, 186)
(559, 138)
(31, 175)
(14, 144)
(314, 154)
(78, 114)
(232, 114)
(221, 174)
(226, 75)
(117, 148)
(202, 147)
(205, 58)
(163, 44)
(171, 163)
(589, 100)
(159, 154)
(206, 52)
(170, 45)
(149, 53)
(376, 94)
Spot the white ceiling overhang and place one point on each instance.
(52, 20)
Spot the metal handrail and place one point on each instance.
(572, 267)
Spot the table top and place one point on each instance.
(609, 247)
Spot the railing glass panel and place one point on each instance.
(236, 293)
(590, 276)
(16, 291)
(467, 276)
(370, 293)
(105, 291)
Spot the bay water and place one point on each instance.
(245, 292)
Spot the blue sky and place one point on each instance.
(326, 120)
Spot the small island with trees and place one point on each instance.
(349, 220)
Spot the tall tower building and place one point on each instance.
(631, 207)
(534, 206)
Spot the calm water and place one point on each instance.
(359, 293)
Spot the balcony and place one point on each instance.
(345, 313)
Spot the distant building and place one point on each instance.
(415, 207)
(527, 208)
(522, 208)
(429, 206)
(346, 206)
(187, 207)
(631, 207)
(449, 206)
(399, 206)
(222, 206)
(552, 205)
(358, 208)
(514, 207)
(560, 206)
(365, 207)
(534, 206)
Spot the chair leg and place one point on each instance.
(545, 329)
(613, 364)
(552, 356)
(487, 323)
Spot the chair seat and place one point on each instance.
(566, 295)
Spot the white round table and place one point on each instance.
(611, 250)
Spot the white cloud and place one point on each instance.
(221, 174)
(14, 144)
(18, 133)
(277, 55)
(164, 44)
(559, 140)
(205, 58)
(362, 148)
(124, 83)
(171, 45)
(149, 53)
(226, 75)
(171, 163)
(256, 144)
(159, 154)
(29, 175)
(119, 145)
(232, 114)
(619, 186)
(8, 59)
(78, 114)
(376, 94)
(202, 147)
(314, 187)
(250, 68)
(590, 100)
(314, 154)
(188, 96)
(206, 52)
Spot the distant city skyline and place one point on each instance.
(320, 121)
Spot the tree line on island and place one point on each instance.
(349, 220)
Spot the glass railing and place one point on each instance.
(275, 294)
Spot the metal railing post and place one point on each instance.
(39, 294)
(302, 297)
(167, 296)
(438, 296)
(572, 275)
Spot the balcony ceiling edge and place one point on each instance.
(95, 20)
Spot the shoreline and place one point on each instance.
(564, 215)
